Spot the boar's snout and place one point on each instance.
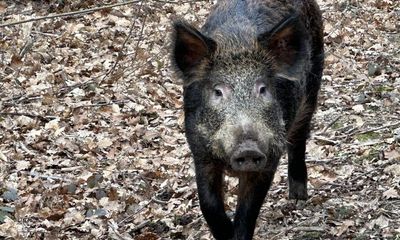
(248, 158)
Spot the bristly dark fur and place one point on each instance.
(245, 44)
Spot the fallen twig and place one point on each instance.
(21, 99)
(98, 104)
(71, 169)
(136, 212)
(325, 141)
(156, 200)
(56, 178)
(379, 168)
(46, 118)
(140, 226)
(376, 129)
(46, 34)
(308, 229)
(120, 52)
(68, 89)
(330, 124)
(85, 11)
(119, 235)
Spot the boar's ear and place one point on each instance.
(286, 41)
(191, 47)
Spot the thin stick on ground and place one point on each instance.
(85, 11)
(47, 118)
(120, 53)
(376, 129)
(330, 124)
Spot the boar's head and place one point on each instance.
(241, 91)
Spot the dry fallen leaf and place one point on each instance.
(104, 142)
(393, 155)
(358, 108)
(22, 165)
(393, 169)
(343, 227)
(92, 138)
(391, 194)
(381, 222)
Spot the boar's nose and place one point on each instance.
(248, 158)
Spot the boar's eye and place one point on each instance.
(262, 90)
(218, 92)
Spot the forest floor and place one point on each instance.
(92, 142)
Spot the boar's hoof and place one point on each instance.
(297, 190)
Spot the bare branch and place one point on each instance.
(46, 118)
(120, 52)
(85, 11)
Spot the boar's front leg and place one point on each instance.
(300, 131)
(297, 170)
(209, 186)
(253, 188)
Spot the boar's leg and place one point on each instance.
(253, 188)
(297, 137)
(301, 127)
(300, 130)
(297, 169)
(209, 185)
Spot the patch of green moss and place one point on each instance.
(337, 125)
(345, 212)
(361, 237)
(384, 88)
(308, 235)
(367, 136)
(373, 154)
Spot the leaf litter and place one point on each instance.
(92, 140)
